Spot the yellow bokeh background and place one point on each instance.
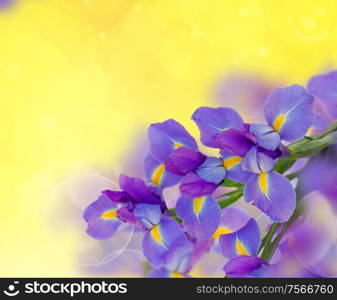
(79, 79)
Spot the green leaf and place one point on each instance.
(230, 200)
(230, 183)
(229, 193)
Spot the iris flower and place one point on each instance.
(241, 247)
(105, 214)
(288, 112)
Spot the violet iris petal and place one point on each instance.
(194, 186)
(159, 241)
(156, 172)
(183, 160)
(280, 152)
(148, 215)
(273, 194)
(179, 261)
(212, 170)
(289, 111)
(245, 266)
(161, 272)
(233, 166)
(196, 213)
(324, 88)
(265, 136)
(245, 241)
(319, 124)
(256, 161)
(117, 196)
(166, 136)
(214, 120)
(101, 216)
(125, 214)
(137, 189)
(231, 219)
(234, 142)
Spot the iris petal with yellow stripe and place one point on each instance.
(200, 216)
(289, 111)
(245, 241)
(157, 174)
(233, 165)
(160, 241)
(102, 218)
(273, 194)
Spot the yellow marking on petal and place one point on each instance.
(220, 231)
(177, 145)
(110, 214)
(158, 174)
(310, 130)
(263, 182)
(175, 274)
(197, 204)
(240, 248)
(231, 162)
(155, 233)
(278, 123)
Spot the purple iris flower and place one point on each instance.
(164, 235)
(173, 154)
(288, 112)
(324, 88)
(104, 215)
(270, 191)
(241, 247)
(167, 136)
(200, 216)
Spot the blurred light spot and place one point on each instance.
(243, 12)
(308, 23)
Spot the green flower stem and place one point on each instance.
(310, 146)
(271, 247)
(266, 240)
